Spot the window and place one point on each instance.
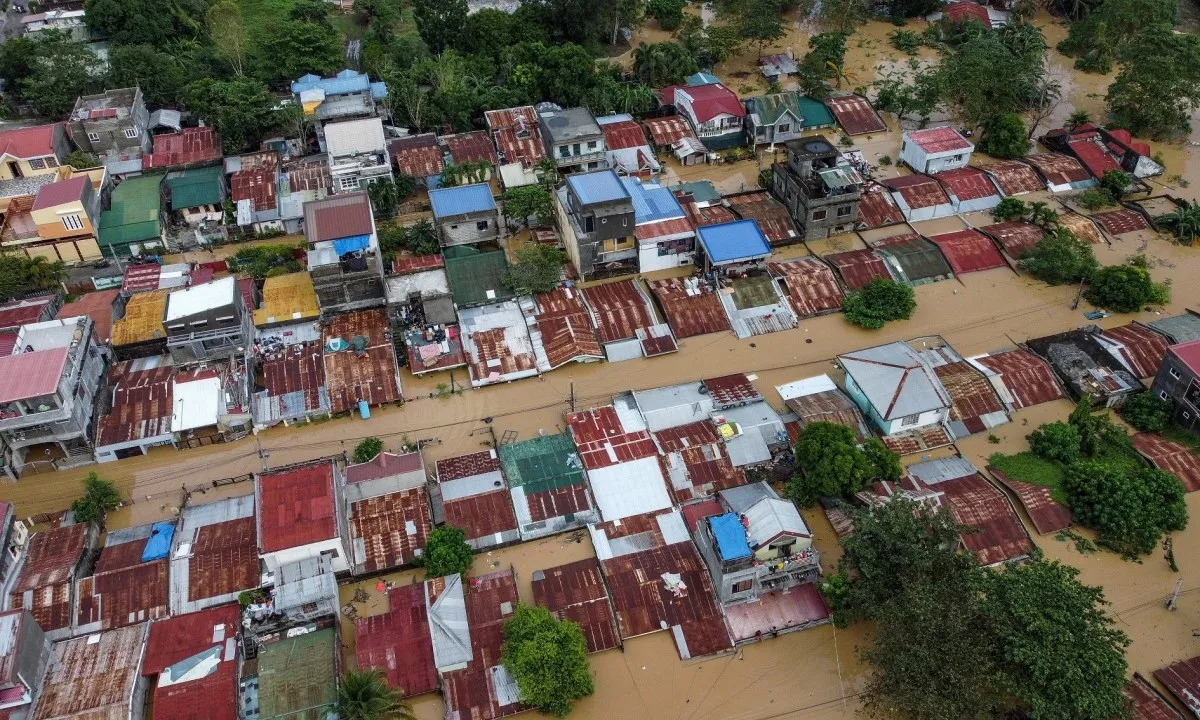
(909, 420)
(783, 128)
(1174, 373)
(592, 145)
(94, 137)
(1187, 415)
(617, 244)
(589, 224)
(37, 164)
(72, 222)
(958, 158)
(564, 151)
(349, 183)
(199, 323)
(819, 214)
(743, 586)
(1162, 394)
(844, 211)
(308, 608)
(575, 149)
(131, 132)
(225, 318)
(51, 162)
(481, 225)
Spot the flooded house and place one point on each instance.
(465, 215)
(822, 192)
(130, 582)
(895, 387)
(595, 217)
(935, 150)
(208, 322)
(300, 516)
(193, 660)
(665, 237)
(1086, 366)
(519, 147)
(44, 581)
(387, 510)
(343, 253)
(713, 111)
(736, 252)
(95, 676)
(573, 140)
(819, 399)
(472, 495)
(24, 652)
(1178, 380)
(214, 555)
(549, 490)
(1104, 150)
(628, 151)
(621, 460)
(627, 324)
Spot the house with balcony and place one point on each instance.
(48, 389)
(821, 189)
(595, 218)
(58, 223)
(349, 94)
(358, 153)
(343, 253)
(29, 158)
(111, 123)
(714, 112)
(574, 139)
(207, 322)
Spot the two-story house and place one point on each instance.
(24, 652)
(111, 123)
(1178, 380)
(713, 111)
(465, 215)
(358, 153)
(933, 150)
(59, 222)
(574, 140)
(821, 190)
(895, 387)
(343, 253)
(207, 322)
(595, 218)
(29, 158)
(348, 94)
(48, 389)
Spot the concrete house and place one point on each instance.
(574, 140)
(895, 388)
(47, 395)
(1179, 380)
(24, 651)
(595, 218)
(31, 151)
(111, 122)
(300, 516)
(780, 117)
(208, 322)
(822, 191)
(358, 153)
(933, 150)
(66, 214)
(714, 112)
(665, 236)
(343, 253)
(345, 95)
(465, 215)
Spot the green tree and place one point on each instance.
(311, 11)
(159, 74)
(1130, 509)
(447, 552)
(366, 695)
(421, 238)
(846, 15)
(1042, 215)
(761, 22)
(228, 35)
(1061, 655)
(488, 31)
(824, 61)
(879, 302)
(385, 202)
(1126, 288)
(99, 497)
(908, 95)
(1057, 441)
(548, 659)
(1184, 223)
(61, 70)
(528, 201)
(664, 63)
(80, 160)
(367, 449)
(240, 109)
(440, 22)
(1101, 35)
(710, 45)
(1004, 136)
(829, 463)
(538, 268)
(669, 13)
(261, 261)
(19, 275)
(1009, 209)
(296, 47)
(145, 22)
(985, 76)
(1158, 87)
(1147, 412)
(1115, 183)
(405, 186)
(1060, 257)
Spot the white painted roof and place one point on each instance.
(630, 488)
(196, 403)
(355, 137)
(202, 297)
(807, 386)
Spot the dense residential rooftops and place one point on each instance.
(296, 507)
(461, 200)
(194, 657)
(216, 554)
(93, 677)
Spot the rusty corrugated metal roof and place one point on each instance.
(730, 390)
(133, 594)
(619, 310)
(575, 592)
(1017, 237)
(772, 217)
(1058, 169)
(855, 114)
(690, 315)
(472, 693)
(598, 431)
(1119, 222)
(877, 207)
(1047, 514)
(93, 679)
(351, 377)
(967, 183)
(1183, 680)
(141, 404)
(381, 525)
(971, 395)
(858, 267)
(398, 642)
(999, 535)
(224, 559)
(473, 146)
(1014, 177)
(1027, 378)
(47, 571)
(1143, 349)
(665, 131)
(1146, 703)
(296, 506)
(811, 286)
(918, 191)
(968, 251)
(1170, 457)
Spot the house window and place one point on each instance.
(308, 608)
(589, 224)
(564, 151)
(575, 148)
(958, 158)
(784, 128)
(51, 162)
(909, 420)
(617, 244)
(199, 323)
(819, 214)
(844, 211)
(72, 222)
(225, 318)
(94, 137)
(349, 183)
(481, 225)
(131, 132)
(37, 164)
(743, 586)
(1174, 373)
(1162, 394)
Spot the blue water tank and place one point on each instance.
(363, 409)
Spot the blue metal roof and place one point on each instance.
(617, 117)
(702, 78)
(597, 187)
(461, 200)
(652, 202)
(733, 241)
(731, 537)
(346, 82)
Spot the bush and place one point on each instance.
(1147, 412)
(906, 41)
(1126, 288)
(1060, 257)
(99, 497)
(447, 552)
(669, 13)
(879, 302)
(829, 463)
(1116, 183)
(538, 269)
(366, 450)
(1009, 209)
(1004, 136)
(262, 261)
(1129, 508)
(548, 659)
(1094, 199)
(1057, 441)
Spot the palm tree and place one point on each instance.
(1079, 117)
(1042, 215)
(365, 695)
(1184, 223)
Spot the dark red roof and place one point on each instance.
(369, 377)
(729, 390)
(1170, 457)
(958, 12)
(971, 395)
(619, 309)
(811, 286)
(213, 697)
(999, 535)
(575, 592)
(968, 251)
(771, 215)
(224, 560)
(470, 147)
(1143, 348)
(695, 513)
(1119, 222)
(8, 341)
(62, 191)
(183, 636)
(967, 183)
(690, 315)
(1028, 378)
(471, 693)
(1188, 353)
(1183, 680)
(127, 596)
(1146, 703)
(188, 146)
(938, 139)
(1058, 169)
(339, 216)
(858, 267)
(918, 191)
(709, 101)
(598, 431)
(1094, 156)
(385, 464)
(1122, 135)
(398, 642)
(1047, 515)
(623, 134)
(855, 114)
(22, 312)
(119, 557)
(706, 462)
(477, 463)
(1017, 237)
(29, 142)
(296, 507)
(482, 516)
(49, 563)
(96, 305)
(557, 502)
(878, 208)
(141, 403)
(418, 156)
(416, 263)
(1014, 177)
(381, 524)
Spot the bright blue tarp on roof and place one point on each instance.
(346, 82)
(731, 536)
(733, 241)
(652, 202)
(350, 244)
(461, 200)
(158, 546)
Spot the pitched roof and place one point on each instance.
(418, 156)
(461, 200)
(623, 134)
(190, 145)
(959, 12)
(296, 507)
(195, 187)
(338, 216)
(855, 114)
(92, 677)
(32, 374)
(133, 213)
(472, 146)
(938, 139)
(711, 100)
(29, 142)
(63, 191)
(895, 380)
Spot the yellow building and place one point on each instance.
(287, 299)
(58, 222)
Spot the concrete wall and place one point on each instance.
(465, 230)
(1173, 380)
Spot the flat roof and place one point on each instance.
(297, 676)
(737, 241)
(199, 298)
(597, 187)
(92, 676)
(196, 401)
(477, 277)
(296, 506)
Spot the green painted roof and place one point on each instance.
(544, 463)
(193, 188)
(297, 677)
(700, 190)
(771, 107)
(815, 113)
(472, 274)
(134, 211)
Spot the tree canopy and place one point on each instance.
(99, 498)
(548, 659)
(538, 268)
(528, 201)
(367, 449)
(1147, 412)
(20, 275)
(1158, 87)
(1130, 508)
(446, 552)
(1004, 136)
(829, 463)
(1060, 257)
(366, 695)
(879, 302)
(1126, 288)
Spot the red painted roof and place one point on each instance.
(482, 516)
(96, 305)
(1017, 237)
(8, 341)
(557, 502)
(296, 507)
(968, 251)
(1146, 703)
(190, 145)
(31, 374)
(398, 642)
(385, 464)
(1188, 353)
(690, 315)
(213, 697)
(382, 525)
(184, 636)
(1170, 457)
(1122, 135)
(623, 134)
(695, 513)
(1047, 515)
(224, 560)
(477, 463)
(709, 101)
(1183, 680)
(16, 313)
(29, 142)
(1119, 222)
(339, 216)
(1144, 348)
(967, 183)
(123, 597)
(918, 191)
(858, 267)
(730, 390)
(575, 592)
(938, 140)
(417, 263)
(811, 286)
(1014, 177)
(1094, 156)
(855, 114)
(598, 432)
(58, 193)
(619, 310)
(1028, 378)
(665, 131)
(958, 12)
(470, 147)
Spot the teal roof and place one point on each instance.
(702, 78)
(541, 464)
(134, 211)
(815, 113)
(700, 190)
(193, 188)
(472, 274)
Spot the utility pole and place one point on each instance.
(262, 453)
(1173, 600)
(572, 400)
